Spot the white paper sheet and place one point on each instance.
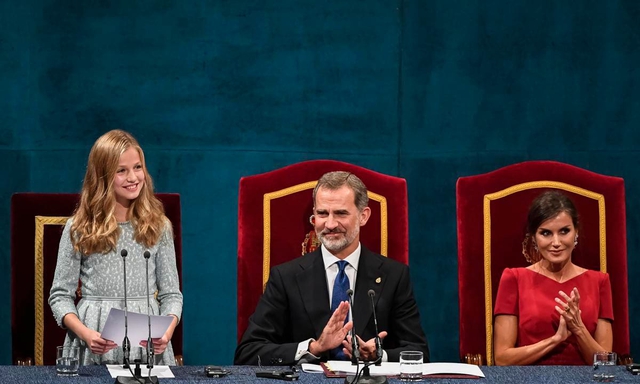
(161, 371)
(137, 324)
(393, 369)
(312, 368)
(451, 368)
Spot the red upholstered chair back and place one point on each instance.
(37, 220)
(273, 221)
(492, 214)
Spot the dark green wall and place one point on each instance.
(214, 90)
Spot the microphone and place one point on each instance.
(126, 345)
(365, 377)
(150, 357)
(378, 341)
(355, 346)
(137, 379)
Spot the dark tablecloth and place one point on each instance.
(195, 374)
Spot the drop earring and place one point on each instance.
(575, 240)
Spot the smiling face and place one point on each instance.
(337, 220)
(129, 178)
(556, 238)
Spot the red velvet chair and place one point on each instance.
(273, 222)
(492, 213)
(38, 218)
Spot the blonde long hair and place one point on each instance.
(95, 228)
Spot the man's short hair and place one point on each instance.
(335, 180)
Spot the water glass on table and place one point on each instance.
(67, 361)
(411, 365)
(604, 366)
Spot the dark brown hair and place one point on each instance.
(547, 205)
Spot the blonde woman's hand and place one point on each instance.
(96, 344)
(159, 344)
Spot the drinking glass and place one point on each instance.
(67, 361)
(604, 366)
(411, 365)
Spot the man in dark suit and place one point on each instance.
(302, 315)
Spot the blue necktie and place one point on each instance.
(340, 288)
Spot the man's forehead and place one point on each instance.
(335, 198)
(343, 192)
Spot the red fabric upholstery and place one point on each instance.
(494, 207)
(273, 219)
(35, 332)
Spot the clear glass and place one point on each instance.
(67, 361)
(604, 366)
(411, 365)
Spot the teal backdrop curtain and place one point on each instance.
(429, 90)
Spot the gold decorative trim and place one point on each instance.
(487, 241)
(41, 221)
(266, 223)
(384, 217)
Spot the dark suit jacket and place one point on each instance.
(295, 307)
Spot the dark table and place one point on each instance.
(242, 374)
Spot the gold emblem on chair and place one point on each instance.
(311, 242)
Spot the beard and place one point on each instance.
(337, 245)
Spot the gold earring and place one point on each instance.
(527, 244)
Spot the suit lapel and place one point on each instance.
(370, 276)
(312, 284)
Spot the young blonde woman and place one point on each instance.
(117, 211)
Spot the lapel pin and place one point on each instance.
(378, 280)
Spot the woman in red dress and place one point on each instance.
(552, 312)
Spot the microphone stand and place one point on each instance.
(366, 377)
(378, 341)
(126, 345)
(150, 355)
(355, 346)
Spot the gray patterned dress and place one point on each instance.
(103, 288)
